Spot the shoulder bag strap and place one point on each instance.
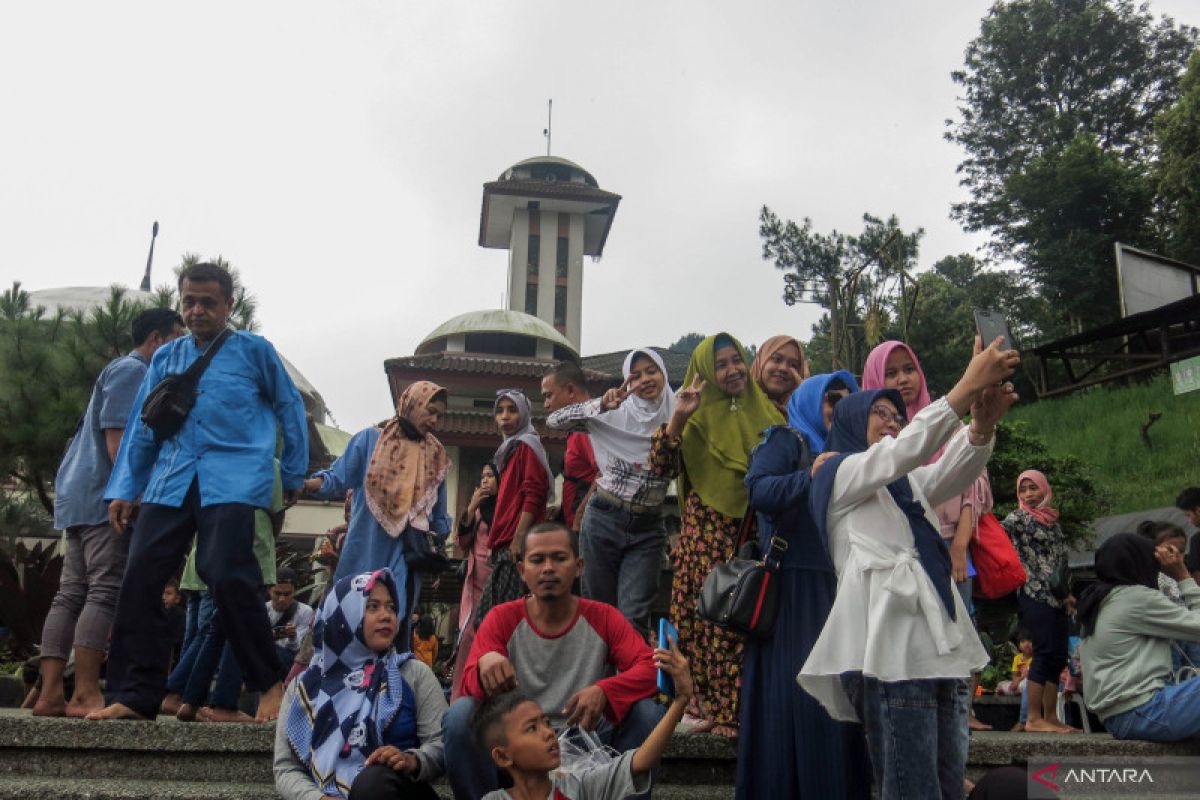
(198, 366)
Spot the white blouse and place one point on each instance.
(887, 620)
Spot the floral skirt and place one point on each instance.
(706, 538)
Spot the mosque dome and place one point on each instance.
(497, 332)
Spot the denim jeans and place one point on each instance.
(1172, 714)
(622, 556)
(1024, 713)
(193, 624)
(916, 734)
(474, 773)
(212, 655)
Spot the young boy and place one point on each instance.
(517, 734)
(1020, 671)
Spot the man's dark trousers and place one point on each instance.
(141, 642)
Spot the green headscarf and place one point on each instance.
(718, 438)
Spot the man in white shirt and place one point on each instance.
(290, 619)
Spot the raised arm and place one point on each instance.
(575, 417)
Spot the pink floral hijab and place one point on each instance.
(1043, 513)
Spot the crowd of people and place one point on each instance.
(871, 490)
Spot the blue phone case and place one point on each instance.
(666, 635)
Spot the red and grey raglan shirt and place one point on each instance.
(599, 647)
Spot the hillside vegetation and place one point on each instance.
(1102, 428)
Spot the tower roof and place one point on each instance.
(548, 183)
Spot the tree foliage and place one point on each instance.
(686, 343)
(1177, 171)
(857, 278)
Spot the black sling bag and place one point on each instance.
(169, 403)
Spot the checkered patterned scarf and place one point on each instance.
(404, 474)
(349, 695)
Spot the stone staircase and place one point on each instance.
(61, 758)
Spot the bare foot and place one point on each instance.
(1064, 728)
(186, 713)
(115, 711)
(268, 704)
(1018, 728)
(692, 724)
(50, 707)
(80, 707)
(209, 714)
(976, 724)
(1042, 726)
(725, 731)
(170, 704)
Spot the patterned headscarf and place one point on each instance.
(759, 368)
(406, 467)
(525, 433)
(350, 695)
(719, 436)
(1042, 512)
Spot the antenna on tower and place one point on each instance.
(150, 258)
(549, 123)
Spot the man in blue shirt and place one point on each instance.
(206, 480)
(81, 613)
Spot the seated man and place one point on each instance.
(579, 659)
(290, 619)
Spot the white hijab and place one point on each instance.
(625, 432)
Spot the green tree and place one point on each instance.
(1072, 206)
(1045, 85)
(1177, 171)
(856, 278)
(686, 343)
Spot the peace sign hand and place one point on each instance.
(687, 399)
(614, 397)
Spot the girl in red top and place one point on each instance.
(526, 486)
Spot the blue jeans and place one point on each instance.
(474, 774)
(1172, 714)
(1024, 702)
(622, 556)
(193, 624)
(195, 671)
(916, 734)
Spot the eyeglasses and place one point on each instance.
(887, 415)
(832, 397)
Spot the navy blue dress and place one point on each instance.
(788, 746)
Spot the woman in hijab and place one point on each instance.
(623, 530)
(779, 367)
(363, 721)
(526, 485)
(1043, 600)
(898, 635)
(718, 418)
(472, 543)
(789, 746)
(1127, 626)
(398, 476)
(894, 365)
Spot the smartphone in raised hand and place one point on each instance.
(667, 635)
(992, 324)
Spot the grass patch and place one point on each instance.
(1101, 426)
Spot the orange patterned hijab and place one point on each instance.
(404, 474)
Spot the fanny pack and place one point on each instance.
(167, 406)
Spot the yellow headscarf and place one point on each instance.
(719, 436)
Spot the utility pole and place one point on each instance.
(150, 258)
(549, 123)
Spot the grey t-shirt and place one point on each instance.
(613, 781)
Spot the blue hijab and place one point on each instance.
(847, 436)
(804, 407)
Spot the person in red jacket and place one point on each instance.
(579, 659)
(526, 485)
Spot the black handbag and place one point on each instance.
(167, 406)
(742, 594)
(423, 551)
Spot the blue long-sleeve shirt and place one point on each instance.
(367, 545)
(227, 443)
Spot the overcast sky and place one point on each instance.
(335, 153)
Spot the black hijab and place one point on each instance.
(1123, 560)
(487, 506)
(848, 435)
